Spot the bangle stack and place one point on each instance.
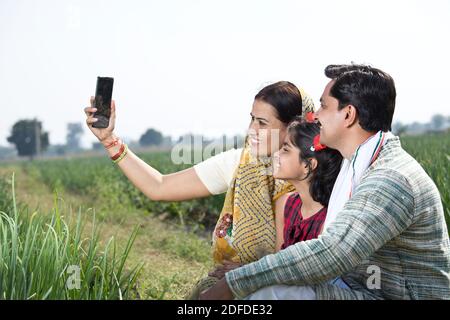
(115, 142)
(121, 154)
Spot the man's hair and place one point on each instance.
(370, 90)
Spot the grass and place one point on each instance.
(172, 259)
(44, 257)
(97, 179)
(433, 153)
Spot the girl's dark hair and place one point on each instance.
(323, 177)
(285, 97)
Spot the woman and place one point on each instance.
(246, 227)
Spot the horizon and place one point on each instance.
(174, 139)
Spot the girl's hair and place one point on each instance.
(323, 177)
(285, 97)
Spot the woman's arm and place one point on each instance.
(178, 186)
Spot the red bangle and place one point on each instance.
(118, 154)
(112, 144)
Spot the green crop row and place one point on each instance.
(433, 153)
(44, 256)
(109, 188)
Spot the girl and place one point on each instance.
(312, 168)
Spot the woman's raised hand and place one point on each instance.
(102, 134)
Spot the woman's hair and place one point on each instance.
(285, 97)
(323, 177)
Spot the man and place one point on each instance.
(386, 236)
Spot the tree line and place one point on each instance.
(31, 140)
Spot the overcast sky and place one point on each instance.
(195, 66)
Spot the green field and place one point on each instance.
(433, 153)
(54, 209)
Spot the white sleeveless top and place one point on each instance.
(216, 172)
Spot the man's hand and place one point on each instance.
(220, 291)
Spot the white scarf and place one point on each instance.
(351, 172)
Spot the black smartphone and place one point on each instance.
(102, 101)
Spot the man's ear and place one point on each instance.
(351, 116)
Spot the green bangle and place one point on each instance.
(124, 153)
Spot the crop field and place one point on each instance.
(78, 229)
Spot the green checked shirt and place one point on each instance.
(394, 224)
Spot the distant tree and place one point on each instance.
(399, 128)
(29, 138)
(56, 150)
(74, 132)
(151, 137)
(167, 141)
(7, 152)
(417, 128)
(97, 146)
(438, 122)
(60, 149)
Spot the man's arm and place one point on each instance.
(380, 209)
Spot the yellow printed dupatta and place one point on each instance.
(246, 228)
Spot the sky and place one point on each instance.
(195, 66)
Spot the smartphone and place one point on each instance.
(102, 101)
